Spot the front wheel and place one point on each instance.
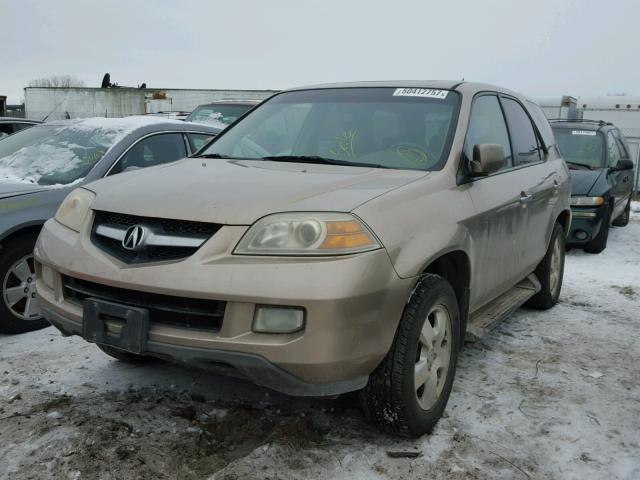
(408, 392)
(623, 219)
(19, 310)
(550, 271)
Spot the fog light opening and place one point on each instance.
(581, 234)
(271, 319)
(47, 276)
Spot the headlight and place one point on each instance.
(74, 208)
(586, 201)
(307, 234)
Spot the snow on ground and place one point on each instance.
(553, 395)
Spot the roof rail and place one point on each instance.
(579, 120)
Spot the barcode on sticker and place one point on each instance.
(420, 92)
(583, 132)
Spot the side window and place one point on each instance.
(624, 153)
(5, 129)
(526, 148)
(613, 149)
(154, 150)
(22, 126)
(198, 140)
(486, 125)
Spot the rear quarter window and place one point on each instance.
(542, 124)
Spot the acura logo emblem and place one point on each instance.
(134, 237)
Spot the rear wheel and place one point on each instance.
(19, 309)
(550, 272)
(407, 393)
(623, 219)
(599, 243)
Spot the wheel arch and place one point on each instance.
(564, 219)
(455, 267)
(30, 228)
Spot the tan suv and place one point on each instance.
(335, 239)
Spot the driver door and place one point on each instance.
(498, 227)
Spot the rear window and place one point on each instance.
(49, 154)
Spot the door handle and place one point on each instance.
(525, 198)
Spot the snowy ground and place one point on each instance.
(553, 395)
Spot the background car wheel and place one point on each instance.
(550, 271)
(623, 219)
(599, 243)
(123, 356)
(19, 310)
(409, 390)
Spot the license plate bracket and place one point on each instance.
(134, 325)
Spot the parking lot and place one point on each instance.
(551, 394)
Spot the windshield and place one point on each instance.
(217, 115)
(403, 128)
(584, 147)
(53, 154)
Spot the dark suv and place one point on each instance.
(601, 179)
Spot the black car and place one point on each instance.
(10, 125)
(601, 179)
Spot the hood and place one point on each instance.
(583, 180)
(14, 189)
(239, 192)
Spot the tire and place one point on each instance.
(623, 219)
(599, 243)
(123, 356)
(550, 272)
(18, 300)
(390, 400)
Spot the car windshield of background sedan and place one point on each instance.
(54, 154)
(217, 115)
(584, 147)
(403, 128)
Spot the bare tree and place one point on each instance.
(60, 81)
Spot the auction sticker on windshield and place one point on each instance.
(420, 92)
(583, 132)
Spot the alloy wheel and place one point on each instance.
(433, 357)
(555, 269)
(19, 289)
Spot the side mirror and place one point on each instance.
(624, 164)
(487, 158)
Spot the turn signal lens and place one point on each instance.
(579, 201)
(74, 208)
(346, 235)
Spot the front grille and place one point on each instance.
(162, 226)
(164, 309)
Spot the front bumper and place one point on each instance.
(585, 224)
(353, 305)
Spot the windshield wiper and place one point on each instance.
(576, 164)
(210, 155)
(320, 160)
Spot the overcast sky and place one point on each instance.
(538, 47)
